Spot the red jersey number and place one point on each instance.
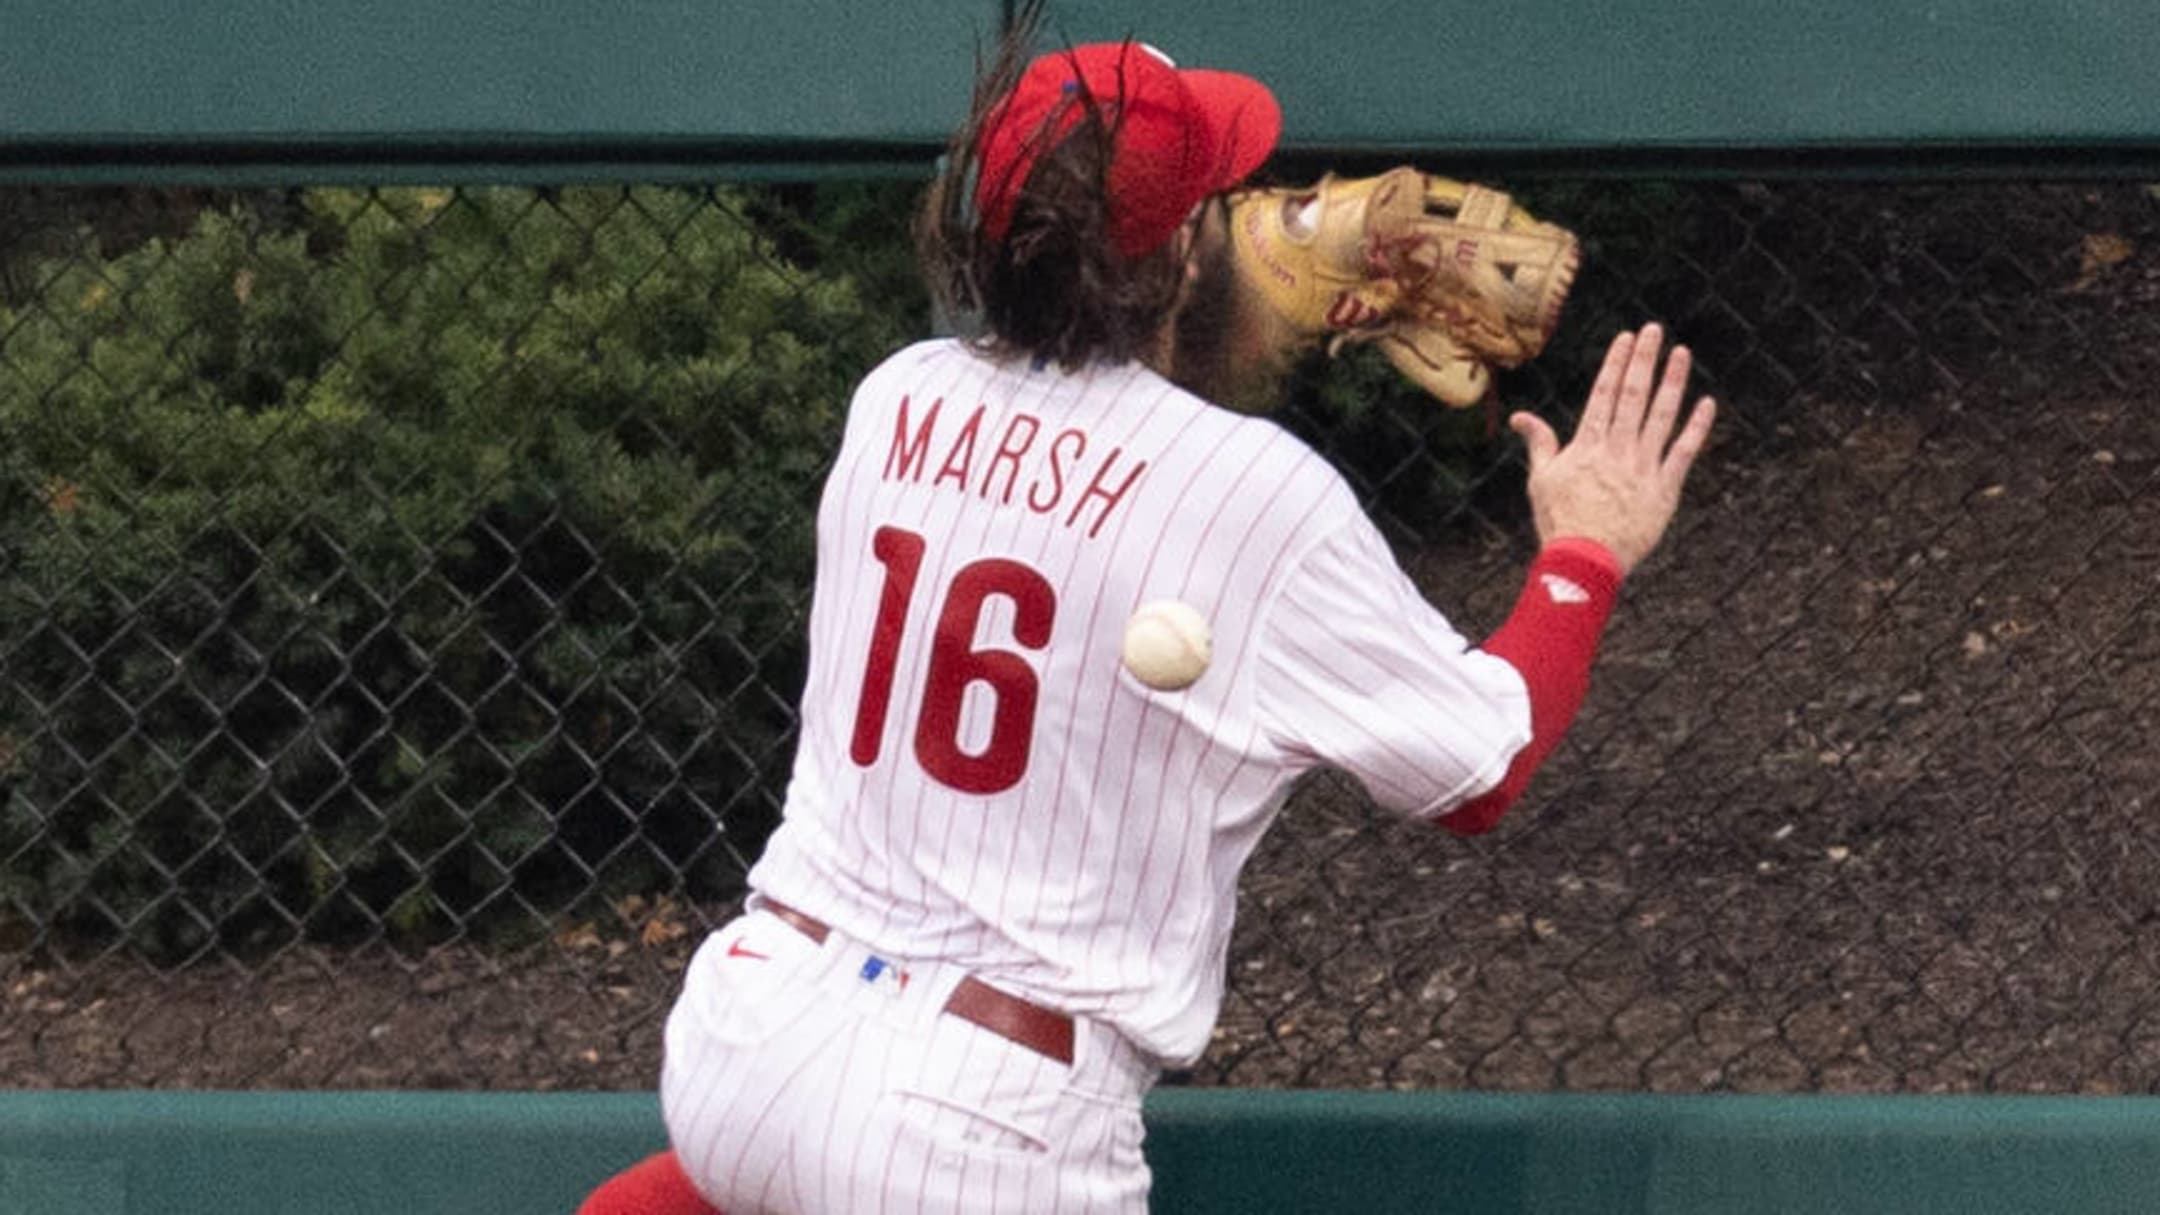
(955, 664)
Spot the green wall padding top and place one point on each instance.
(551, 69)
(1684, 72)
(529, 89)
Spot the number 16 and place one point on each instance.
(954, 664)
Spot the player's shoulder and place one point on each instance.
(915, 369)
(1236, 474)
(1278, 457)
(911, 361)
(943, 367)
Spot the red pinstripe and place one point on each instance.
(1244, 749)
(1095, 635)
(1181, 818)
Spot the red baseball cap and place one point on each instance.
(1182, 135)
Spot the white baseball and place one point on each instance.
(1167, 645)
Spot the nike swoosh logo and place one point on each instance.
(735, 950)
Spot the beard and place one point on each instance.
(1222, 350)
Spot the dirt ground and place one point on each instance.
(1862, 799)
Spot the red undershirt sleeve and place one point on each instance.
(1551, 638)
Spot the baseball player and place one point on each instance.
(1000, 901)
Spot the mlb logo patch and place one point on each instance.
(878, 972)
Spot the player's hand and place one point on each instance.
(1618, 480)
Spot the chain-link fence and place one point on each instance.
(401, 596)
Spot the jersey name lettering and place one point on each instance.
(1008, 460)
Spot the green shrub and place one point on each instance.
(427, 562)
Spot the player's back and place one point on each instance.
(979, 778)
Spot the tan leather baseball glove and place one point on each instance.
(1449, 279)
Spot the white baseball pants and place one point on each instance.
(805, 1078)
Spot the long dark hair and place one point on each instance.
(1054, 286)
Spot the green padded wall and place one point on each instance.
(604, 88)
(1645, 74)
(228, 90)
(172, 1153)
(1214, 1151)
(1550, 1154)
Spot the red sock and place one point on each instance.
(655, 1185)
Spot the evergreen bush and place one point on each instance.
(418, 561)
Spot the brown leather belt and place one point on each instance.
(1045, 1031)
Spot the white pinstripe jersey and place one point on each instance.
(980, 781)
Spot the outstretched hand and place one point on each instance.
(1618, 481)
